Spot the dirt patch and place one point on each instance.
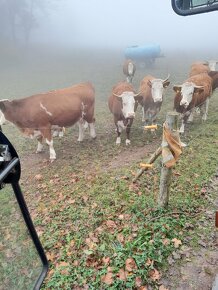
(130, 155)
(196, 269)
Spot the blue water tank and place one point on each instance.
(143, 52)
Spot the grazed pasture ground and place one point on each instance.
(100, 231)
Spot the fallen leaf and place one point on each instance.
(130, 265)
(63, 264)
(138, 281)
(162, 287)
(108, 278)
(106, 260)
(122, 274)
(38, 177)
(166, 242)
(176, 242)
(154, 274)
(149, 262)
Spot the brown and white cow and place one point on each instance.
(129, 69)
(38, 115)
(123, 103)
(151, 90)
(194, 93)
(203, 67)
(198, 68)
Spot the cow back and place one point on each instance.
(198, 68)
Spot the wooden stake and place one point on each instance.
(153, 157)
(166, 173)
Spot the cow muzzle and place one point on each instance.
(131, 115)
(184, 104)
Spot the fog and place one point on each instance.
(121, 23)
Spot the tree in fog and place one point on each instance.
(18, 18)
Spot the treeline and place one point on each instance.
(19, 18)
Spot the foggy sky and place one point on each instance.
(121, 23)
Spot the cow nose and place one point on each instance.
(184, 103)
(131, 115)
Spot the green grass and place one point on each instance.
(90, 217)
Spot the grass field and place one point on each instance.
(99, 230)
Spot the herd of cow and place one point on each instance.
(44, 115)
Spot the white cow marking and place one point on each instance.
(51, 150)
(44, 108)
(118, 141)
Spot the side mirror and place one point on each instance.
(190, 7)
(23, 261)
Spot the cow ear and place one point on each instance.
(198, 90)
(149, 83)
(138, 98)
(2, 106)
(177, 89)
(119, 99)
(166, 84)
(212, 73)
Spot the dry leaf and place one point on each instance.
(138, 281)
(106, 260)
(166, 242)
(63, 264)
(176, 242)
(130, 265)
(38, 177)
(108, 278)
(149, 262)
(122, 274)
(154, 274)
(120, 238)
(162, 287)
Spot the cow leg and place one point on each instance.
(119, 127)
(191, 117)
(205, 107)
(61, 132)
(128, 142)
(51, 149)
(90, 121)
(182, 128)
(143, 114)
(185, 117)
(81, 130)
(153, 120)
(92, 130)
(40, 145)
(47, 134)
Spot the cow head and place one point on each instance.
(2, 111)
(128, 100)
(131, 68)
(157, 86)
(187, 90)
(212, 64)
(214, 76)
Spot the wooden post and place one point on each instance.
(166, 173)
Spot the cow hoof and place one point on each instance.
(118, 141)
(52, 160)
(39, 151)
(79, 140)
(128, 142)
